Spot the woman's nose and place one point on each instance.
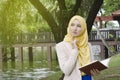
(75, 28)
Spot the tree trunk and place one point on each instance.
(60, 29)
(92, 14)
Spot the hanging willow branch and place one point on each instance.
(112, 51)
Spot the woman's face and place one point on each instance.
(75, 28)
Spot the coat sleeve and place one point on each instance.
(66, 63)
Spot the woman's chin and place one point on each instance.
(75, 35)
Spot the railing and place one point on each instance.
(109, 35)
(47, 37)
(42, 37)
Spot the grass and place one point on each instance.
(112, 73)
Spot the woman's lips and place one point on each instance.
(74, 32)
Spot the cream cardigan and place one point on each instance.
(67, 58)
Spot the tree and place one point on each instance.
(58, 21)
(16, 16)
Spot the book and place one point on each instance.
(93, 65)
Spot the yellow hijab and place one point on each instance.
(83, 48)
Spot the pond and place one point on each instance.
(37, 69)
(26, 71)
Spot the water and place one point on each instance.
(35, 74)
(26, 72)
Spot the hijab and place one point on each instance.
(83, 47)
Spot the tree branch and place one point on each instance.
(76, 7)
(62, 5)
(45, 14)
(92, 13)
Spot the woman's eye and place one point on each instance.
(78, 25)
(72, 24)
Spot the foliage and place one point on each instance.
(53, 7)
(26, 18)
(57, 13)
(110, 6)
(85, 7)
(7, 19)
(112, 73)
(18, 16)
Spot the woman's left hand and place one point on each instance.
(95, 72)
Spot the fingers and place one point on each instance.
(74, 43)
(95, 72)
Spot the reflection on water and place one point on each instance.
(36, 72)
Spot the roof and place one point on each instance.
(104, 18)
(115, 16)
(116, 13)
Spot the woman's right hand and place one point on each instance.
(74, 44)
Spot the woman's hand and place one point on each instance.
(95, 72)
(74, 44)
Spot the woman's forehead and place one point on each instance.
(75, 21)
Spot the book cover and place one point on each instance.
(93, 65)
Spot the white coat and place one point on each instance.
(68, 62)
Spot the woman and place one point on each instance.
(74, 51)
